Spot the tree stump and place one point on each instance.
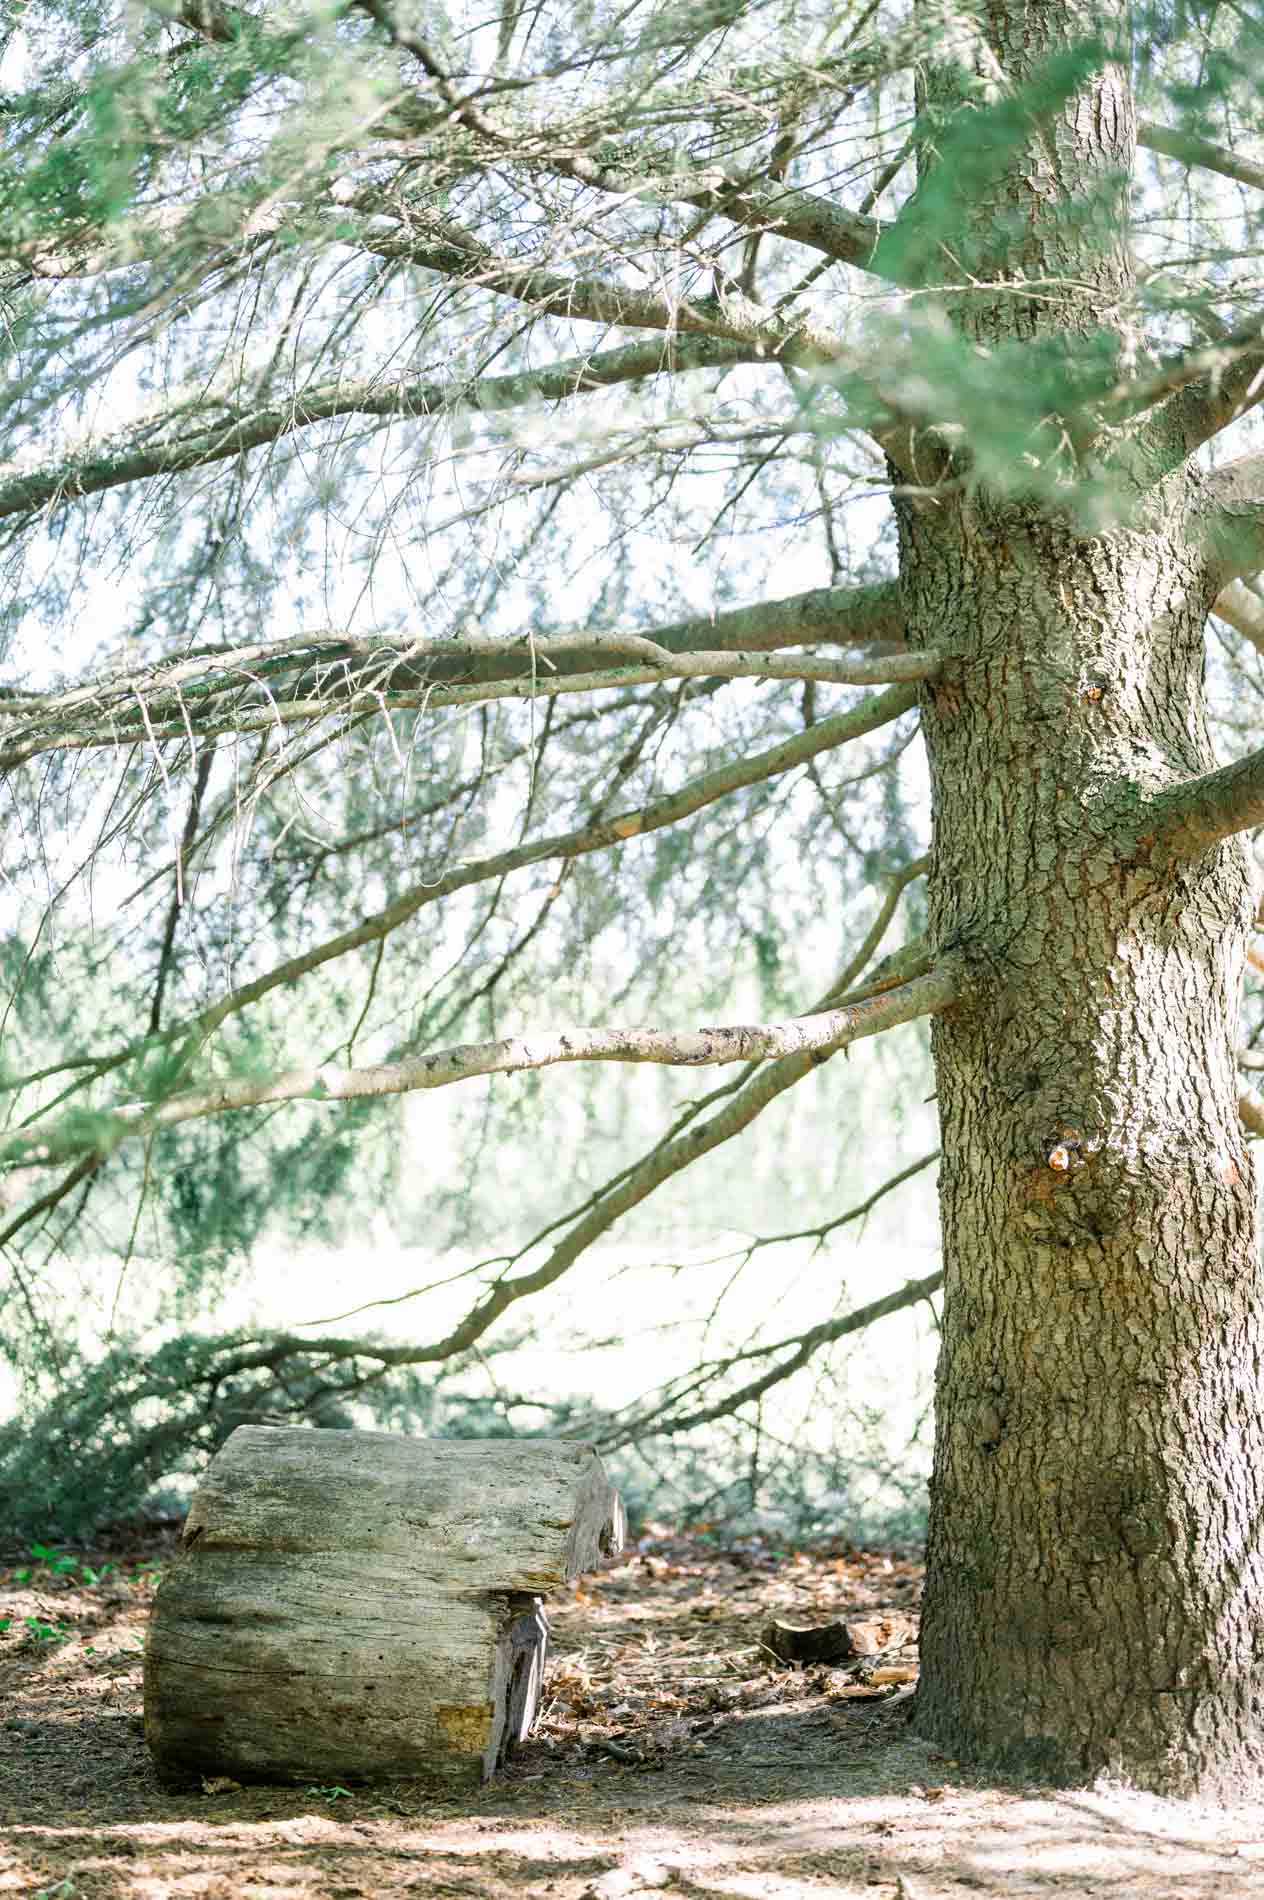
(356, 1606)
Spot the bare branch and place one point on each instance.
(685, 1144)
(821, 1232)
(1188, 819)
(204, 428)
(910, 960)
(1201, 392)
(819, 223)
(1231, 518)
(689, 1138)
(840, 616)
(809, 1037)
(179, 893)
(761, 1088)
(804, 1346)
(602, 835)
(1189, 150)
(837, 616)
(1244, 611)
(421, 236)
(841, 990)
(205, 698)
(86, 1165)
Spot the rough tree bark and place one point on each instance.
(1094, 1585)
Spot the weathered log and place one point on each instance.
(361, 1606)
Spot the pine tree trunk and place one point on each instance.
(1095, 1588)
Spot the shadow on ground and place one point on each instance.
(670, 1758)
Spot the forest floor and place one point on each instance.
(672, 1756)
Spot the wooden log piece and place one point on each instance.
(358, 1606)
(801, 1643)
(837, 1642)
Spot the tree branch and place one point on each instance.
(687, 1142)
(1200, 392)
(1231, 518)
(86, 1165)
(605, 833)
(822, 1231)
(840, 616)
(1189, 150)
(868, 615)
(228, 705)
(178, 894)
(688, 1138)
(806, 1037)
(801, 216)
(424, 238)
(805, 1345)
(204, 428)
(1188, 819)
(1243, 611)
(762, 1087)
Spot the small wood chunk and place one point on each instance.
(837, 1642)
(353, 1606)
(894, 1672)
(808, 1643)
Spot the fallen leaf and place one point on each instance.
(219, 1784)
(870, 1635)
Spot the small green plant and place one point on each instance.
(332, 1793)
(57, 1561)
(62, 1564)
(38, 1631)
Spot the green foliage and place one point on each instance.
(202, 229)
(119, 1430)
(955, 211)
(40, 1632)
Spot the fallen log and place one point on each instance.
(356, 1606)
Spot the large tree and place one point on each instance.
(372, 367)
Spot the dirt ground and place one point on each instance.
(672, 1756)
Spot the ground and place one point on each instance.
(673, 1755)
